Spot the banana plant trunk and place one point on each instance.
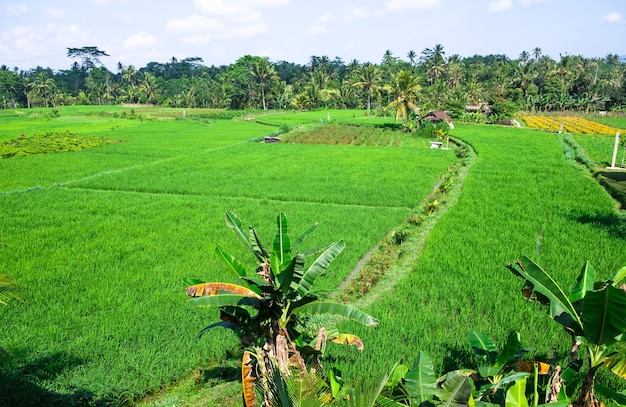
(587, 398)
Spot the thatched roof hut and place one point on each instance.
(438, 116)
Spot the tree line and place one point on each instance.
(429, 80)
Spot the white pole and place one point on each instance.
(615, 149)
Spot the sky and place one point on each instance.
(135, 32)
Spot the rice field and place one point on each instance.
(100, 239)
(520, 197)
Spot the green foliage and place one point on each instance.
(268, 312)
(50, 143)
(502, 109)
(593, 313)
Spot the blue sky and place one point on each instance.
(38, 33)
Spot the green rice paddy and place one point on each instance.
(100, 239)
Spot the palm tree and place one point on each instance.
(537, 53)
(368, 79)
(434, 55)
(129, 76)
(263, 72)
(149, 87)
(44, 86)
(435, 62)
(524, 56)
(454, 74)
(404, 89)
(411, 55)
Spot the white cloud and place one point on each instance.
(246, 31)
(107, 2)
(496, 6)
(321, 26)
(399, 5)
(141, 40)
(53, 12)
(197, 39)
(531, 2)
(355, 13)
(317, 29)
(613, 17)
(194, 23)
(44, 45)
(223, 19)
(243, 11)
(16, 9)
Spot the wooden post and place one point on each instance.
(615, 150)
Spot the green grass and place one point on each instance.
(100, 240)
(618, 122)
(520, 197)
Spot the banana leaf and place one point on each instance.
(318, 267)
(516, 394)
(282, 243)
(421, 381)
(334, 308)
(224, 300)
(586, 279)
(604, 315)
(455, 390)
(560, 308)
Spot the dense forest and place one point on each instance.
(532, 82)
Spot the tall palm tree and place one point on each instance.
(537, 53)
(434, 55)
(149, 87)
(368, 80)
(524, 56)
(45, 87)
(455, 74)
(404, 89)
(263, 72)
(435, 62)
(411, 55)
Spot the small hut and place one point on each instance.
(438, 116)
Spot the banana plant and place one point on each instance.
(268, 306)
(593, 314)
(498, 366)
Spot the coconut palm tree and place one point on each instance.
(411, 55)
(434, 55)
(404, 90)
(368, 80)
(149, 87)
(263, 72)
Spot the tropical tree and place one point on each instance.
(130, 76)
(593, 314)
(404, 90)
(89, 56)
(269, 309)
(368, 79)
(45, 87)
(148, 87)
(412, 56)
(263, 72)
